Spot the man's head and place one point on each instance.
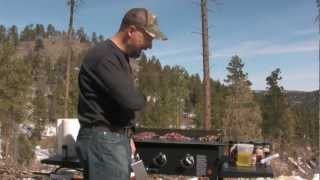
(138, 28)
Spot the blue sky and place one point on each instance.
(265, 34)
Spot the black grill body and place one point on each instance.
(188, 158)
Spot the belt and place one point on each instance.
(128, 131)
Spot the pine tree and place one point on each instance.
(57, 88)
(74, 89)
(25, 154)
(39, 101)
(218, 96)
(14, 95)
(94, 38)
(278, 120)
(51, 32)
(2, 34)
(242, 116)
(196, 100)
(101, 38)
(307, 124)
(40, 31)
(166, 90)
(38, 44)
(149, 78)
(82, 35)
(13, 35)
(28, 33)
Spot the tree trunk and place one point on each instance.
(206, 71)
(67, 78)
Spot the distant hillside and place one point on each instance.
(53, 48)
(298, 97)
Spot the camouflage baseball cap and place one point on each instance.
(145, 19)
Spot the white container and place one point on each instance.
(67, 132)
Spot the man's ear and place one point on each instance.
(130, 30)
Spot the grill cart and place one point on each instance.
(194, 153)
(198, 153)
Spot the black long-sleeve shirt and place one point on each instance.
(107, 92)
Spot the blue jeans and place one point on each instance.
(104, 155)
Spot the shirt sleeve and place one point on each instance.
(119, 85)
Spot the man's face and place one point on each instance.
(139, 40)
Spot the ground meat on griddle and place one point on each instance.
(145, 136)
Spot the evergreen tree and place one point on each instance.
(57, 91)
(40, 113)
(13, 35)
(218, 95)
(2, 34)
(101, 38)
(278, 120)
(74, 89)
(94, 38)
(166, 90)
(14, 95)
(242, 116)
(196, 100)
(51, 31)
(38, 44)
(149, 77)
(25, 154)
(40, 31)
(307, 128)
(39, 99)
(28, 33)
(82, 35)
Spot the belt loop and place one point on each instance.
(128, 132)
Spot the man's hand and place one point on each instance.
(133, 147)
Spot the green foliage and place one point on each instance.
(13, 35)
(39, 116)
(218, 104)
(236, 74)
(82, 35)
(40, 31)
(74, 89)
(101, 38)
(166, 90)
(94, 38)
(51, 31)
(15, 93)
(278, 120)
(306, 110)
(38, 44)
(25, 153)
(242, 116)
(3, 36)
(195, 101)
(28, 34)
(14, 80)
(170, 92)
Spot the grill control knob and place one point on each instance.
(187, 162)
(160, 160)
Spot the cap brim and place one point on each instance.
(161, 36)
(157, 35)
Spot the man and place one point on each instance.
(108, 98)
